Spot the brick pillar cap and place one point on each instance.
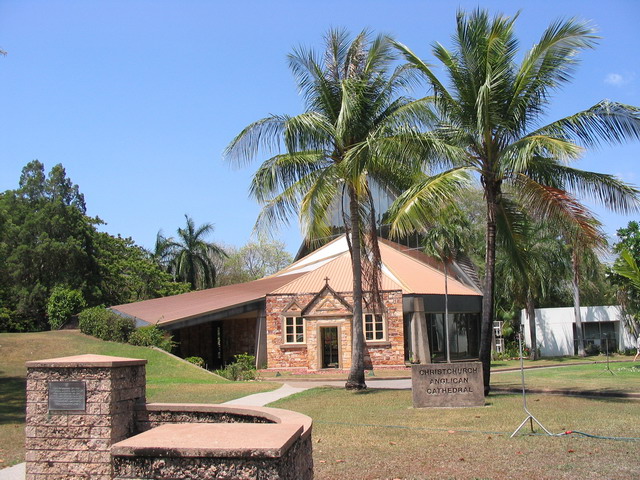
(88, 360)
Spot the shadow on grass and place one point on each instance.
(368, 391)
(12, 399)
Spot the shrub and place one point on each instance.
(105, 324)
(592, 349)
(244, 368)
(151, 336)
(198, 361)
(63, 302)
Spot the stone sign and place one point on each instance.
(67, 396)
(447, 385)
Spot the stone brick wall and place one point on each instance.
(295, 464)
(110, 432)
(148, 418)
(328, 310)
(69, 445)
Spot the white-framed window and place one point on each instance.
(293, 330)
(373, 327)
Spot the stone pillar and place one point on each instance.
(77, 407)
(419, 335)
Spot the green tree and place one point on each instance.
(446, 241)
(355, 129)
(251, 262)
(47, 240)
(62, 304)
(485, 123)
(190, 258)
(625, 273)
(128, 273)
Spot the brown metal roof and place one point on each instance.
(167, 310)
(410, 271)
(418, 277)
(338, 271)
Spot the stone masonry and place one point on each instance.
(87, 419)
(65, 445)
(327, 310)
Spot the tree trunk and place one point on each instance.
(446, 313)
(355, 380)
(531, 314)
(576, 301)
(486, 326)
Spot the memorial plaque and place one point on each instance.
(67, 396)
(447, 385)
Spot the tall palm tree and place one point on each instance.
(190, 258)
(582, 247)
(485, 120)
(356, 129)
(531, 268)
(445, 240)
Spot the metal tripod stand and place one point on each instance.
(530, 418)
(606, 342)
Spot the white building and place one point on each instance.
(555, 329)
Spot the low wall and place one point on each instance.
(87, 419)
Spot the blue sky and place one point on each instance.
(138, 99)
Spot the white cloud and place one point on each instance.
(628, 176)
(618, 79)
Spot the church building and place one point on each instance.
(300, 317)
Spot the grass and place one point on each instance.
(332, 374)
(377, 434)
(168, 378)
(593, 377)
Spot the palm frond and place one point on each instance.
(606, 122)
(418, 206)
(603, 188)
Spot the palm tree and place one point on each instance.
(355, 130)
(190, 258)
(445, 241)
(582, 246)
(531, 268)
(485, 122)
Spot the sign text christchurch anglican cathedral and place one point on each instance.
(447, 385)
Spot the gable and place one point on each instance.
(327, 303)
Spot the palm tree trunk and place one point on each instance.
(576, 301)
(531, 314)
(486, 326)
(446, 312)
(355, 380)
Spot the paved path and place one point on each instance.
(13, 473)
(261, 399)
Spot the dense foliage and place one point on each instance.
(47, 241)
(242, 368)
(62, 304)
(251, 262)
(625, 273)
(105, 324)
(151, 336)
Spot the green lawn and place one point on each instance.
(168, 378)
(625, 377)
(497, 365)
(377, 434)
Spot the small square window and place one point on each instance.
(373, 327)
(294, 330)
